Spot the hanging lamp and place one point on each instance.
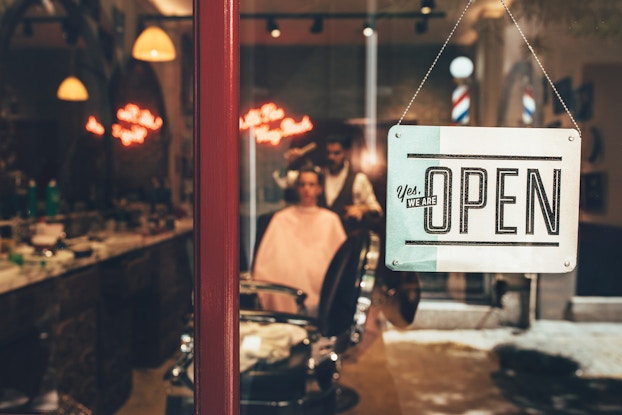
(154, 45)
(72, 89)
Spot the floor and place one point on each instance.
(366, 373)
(467, 372)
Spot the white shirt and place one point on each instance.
(362, 190)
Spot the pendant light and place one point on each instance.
(72, 89)
(154, 45)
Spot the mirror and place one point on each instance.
(43, 138)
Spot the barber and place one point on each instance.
(348, 192)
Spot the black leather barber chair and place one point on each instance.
(306, 381)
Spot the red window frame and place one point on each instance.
(216, 212)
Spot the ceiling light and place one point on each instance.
(317, 26)
(421, 26)
(427, 6)
(273, 28)
(27, 29)
(154, 45)
(72, 89)
(71, 31)
(368, 29)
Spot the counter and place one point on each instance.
(37, 269)
(81, 325)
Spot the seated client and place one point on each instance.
(298, 245)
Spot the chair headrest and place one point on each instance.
(342, 285)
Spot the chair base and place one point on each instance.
(346, 398)
(314, 403)
(179, 405)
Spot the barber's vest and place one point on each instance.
(344, 198)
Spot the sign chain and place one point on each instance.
(434, 62)
(548, 78)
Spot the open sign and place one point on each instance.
(471, 199)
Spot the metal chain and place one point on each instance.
(434, 63)
(541, 67)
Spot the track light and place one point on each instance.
(71, 32)
(27, 29)
(427, 6)
(318, 25)
(421, 26)
(368, 29)
(273, 28)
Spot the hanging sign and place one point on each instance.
(478, 199)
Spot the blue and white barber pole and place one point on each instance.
(461, 101)
(529, 106)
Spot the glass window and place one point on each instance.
(103, 312)
(320, 70)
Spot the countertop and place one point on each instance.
(37, 268)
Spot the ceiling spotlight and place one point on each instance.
(318, 25)
(27, 29)
(427, 6)
(273, 28)
(421, 26)
(368, 29)
(71, 31)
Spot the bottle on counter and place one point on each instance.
(20, 195)
(31, 207)
(52, 199)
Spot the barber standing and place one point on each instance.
(348, 192)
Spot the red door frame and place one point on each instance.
(216, 212)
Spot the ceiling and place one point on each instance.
(390, 30)
(296, 31)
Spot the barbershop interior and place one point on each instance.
(101, 227)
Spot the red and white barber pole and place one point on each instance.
(529, 105)
(461, 101)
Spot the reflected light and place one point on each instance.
(94, 126)
(140, 121)
(133, 114)
(137, 122)
(262, 121)
(134, 135)
(427, 6)
(369, 159)
(273, 28)
(368, 30)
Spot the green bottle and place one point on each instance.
(32, 199)
(52, 199)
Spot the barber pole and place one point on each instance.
(529, 106)
(461, 102)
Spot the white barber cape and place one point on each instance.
(296, 250)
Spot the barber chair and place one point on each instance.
(306, 381)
